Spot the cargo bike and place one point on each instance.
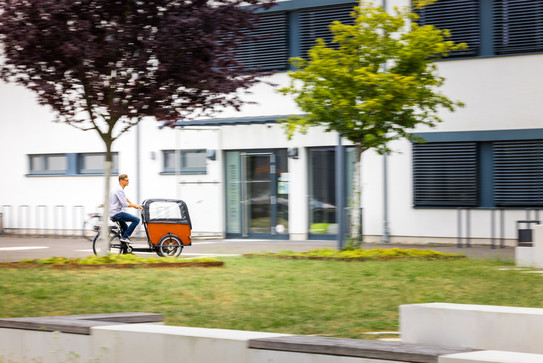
(167, 227)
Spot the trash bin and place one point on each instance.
(525, 235)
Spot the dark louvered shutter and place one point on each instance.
(445, 174)
(270, 50)
(460, 17)
(518, 26)
(315, 22)
(518, 173)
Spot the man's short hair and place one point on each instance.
(122, 177)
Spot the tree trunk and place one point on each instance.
(357, 197)
(103, 241)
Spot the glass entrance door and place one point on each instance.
(256, 194)
(256, 204)
(322, 190)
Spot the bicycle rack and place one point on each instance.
(59, 209)
(77, 230)
(5, 224)
(45, 218)
(23, 209)
(468, 228)
(493, 228)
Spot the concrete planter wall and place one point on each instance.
(431, 333)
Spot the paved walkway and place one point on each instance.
(14, 248)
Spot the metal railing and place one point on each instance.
(497, 223)
(59, 221)
(67, 222)
(42, 220)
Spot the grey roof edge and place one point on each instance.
(481, 135)
(234, 121)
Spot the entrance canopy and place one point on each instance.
(231, 121)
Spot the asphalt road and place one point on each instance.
(13, 248)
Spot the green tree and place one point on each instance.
(374, 84)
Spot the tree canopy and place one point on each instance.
(105, 63)
(375, 82)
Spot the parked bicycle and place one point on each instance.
(167, 227)
(91, 225)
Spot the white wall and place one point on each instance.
(500, 93)
(27, 128)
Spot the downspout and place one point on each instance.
(138, 172)
(385, 201)
(385, 238)
(340, 193)
(177, 161)
(138, 164)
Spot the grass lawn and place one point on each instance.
(331, 298)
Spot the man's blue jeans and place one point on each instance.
(124, 217)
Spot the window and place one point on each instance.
(445, 174)
(48, 164)
(322, 183)
(489, 27)
(518, 180)
(485, 169)
(460, 17)
(184, 162)
(518, 26)
(289, 29)
(69, 164)
(314, 24)
(270, 50)
(94, 163)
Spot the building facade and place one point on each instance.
(477, 175)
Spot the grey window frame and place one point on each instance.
(518, 173)
(445, 174)
(492, 27)
(43, 159)
(289, 29)
(314, 24)
(460, 17)
(83, 171)
(518, 26)
(269, 51)
(183, 169)
(73, 165)
(479, 23)
(509, 166)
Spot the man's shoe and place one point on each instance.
(126, 240)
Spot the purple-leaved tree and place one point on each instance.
(103, 65)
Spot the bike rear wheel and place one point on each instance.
(114, 245)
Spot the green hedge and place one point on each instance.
(114, 260)
(362, 254)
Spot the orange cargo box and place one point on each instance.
(157, 230)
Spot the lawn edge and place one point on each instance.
(113, 266)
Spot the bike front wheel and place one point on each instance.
(169, 246)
